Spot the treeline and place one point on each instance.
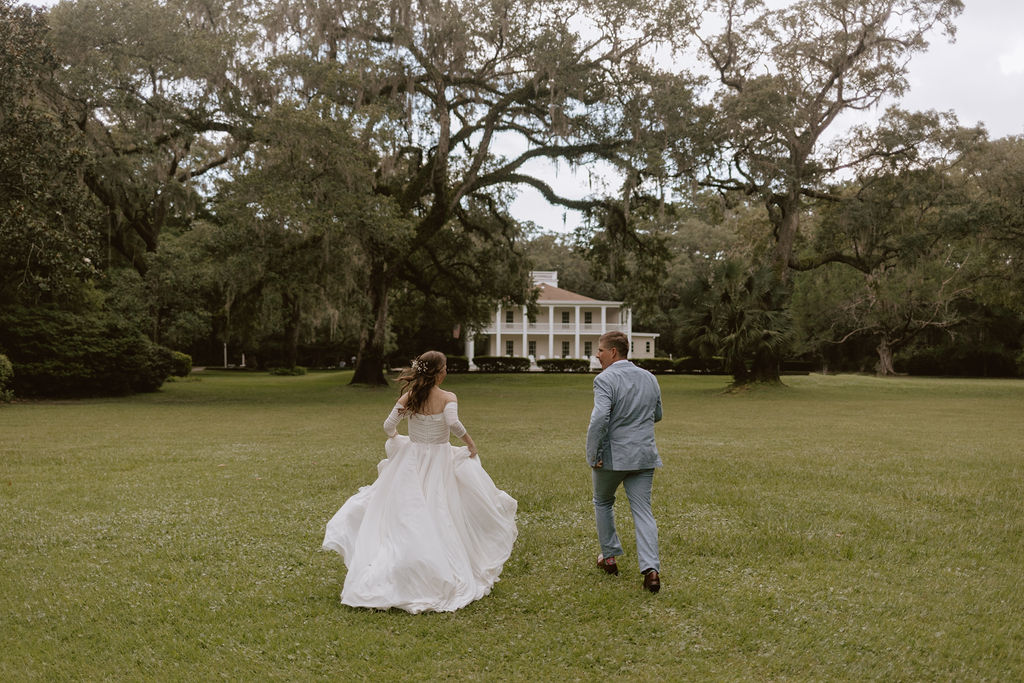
(311, 187)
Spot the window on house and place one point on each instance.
(648, 346)
(588, 348)
(588, 318)
(565, 317)
(509, 316)
(533, 349)
(631, 347)
(565, 349)
(509, 348)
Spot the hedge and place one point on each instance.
(960, 362)
(502, 363)
(695, 365)
(182, 364)
(458, 364)
(6, 379)
(564, 364)
(658, 366)
(798, 367)
(294, 371)
(60, 353)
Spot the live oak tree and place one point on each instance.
(996, 173)
(906, 234)
(49, 244)
(294, 229)
(458, 98)
(165, 93)
(891, 306)
(785, 77)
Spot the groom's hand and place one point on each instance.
(599, 464)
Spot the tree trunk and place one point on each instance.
(766, 368)
(740, 376)
(293, 310)
(786, 221)
(884, 368)
(370, 361)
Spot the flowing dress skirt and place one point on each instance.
(430, 534)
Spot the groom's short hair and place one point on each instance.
(616, 340)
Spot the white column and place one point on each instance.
(469, 349)
(526, 347)
(576, 351)
(551, 332)
(629, 327)
(497, 332)
(604, 320)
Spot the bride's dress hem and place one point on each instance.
(431, 534)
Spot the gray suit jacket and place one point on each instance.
(627, 403)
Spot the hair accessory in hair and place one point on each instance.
(419, 367)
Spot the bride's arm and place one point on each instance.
(451, 416)
(391, 424)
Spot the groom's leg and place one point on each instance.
(638, 487)
(605, 483)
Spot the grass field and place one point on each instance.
(842, 527)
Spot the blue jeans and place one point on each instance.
(638, 484)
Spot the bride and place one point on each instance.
(433, 531)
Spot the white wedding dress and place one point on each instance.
(432, 532)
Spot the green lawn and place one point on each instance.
(842, 527)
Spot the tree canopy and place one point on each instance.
(287, 176)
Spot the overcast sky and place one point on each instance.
(980, 77)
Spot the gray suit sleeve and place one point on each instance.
(597, 433)
(657, 407)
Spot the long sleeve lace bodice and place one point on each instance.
(434, 428)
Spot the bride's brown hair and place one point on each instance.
(419, 379)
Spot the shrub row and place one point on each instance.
(295, 371)
(690, 365)
(6, 379)
(458, 364)
(564, 364)
(502, 363)
(182, 364)
(655, 365)
(694, 365)
(59, 353)
(961, 362)
(658, 366)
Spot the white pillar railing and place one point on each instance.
(551, 332)
(629, 326)
(526, 348)
(497, 332)
(576, 344)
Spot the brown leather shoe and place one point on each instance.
(609, 565)
(652, 581)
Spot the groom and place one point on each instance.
(621, 450)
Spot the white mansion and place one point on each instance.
(568, 325)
